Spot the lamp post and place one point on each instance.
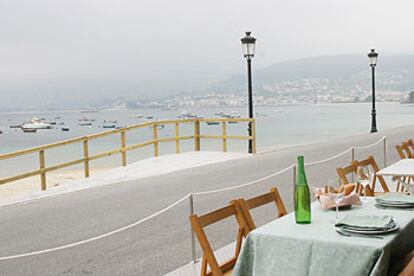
(248, 47)
(373, 62)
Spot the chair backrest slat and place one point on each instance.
(343, 172)
(400, 150)
(246, 205)
(217, 215)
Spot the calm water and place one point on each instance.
(276, 127)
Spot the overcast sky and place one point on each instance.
(181, 43)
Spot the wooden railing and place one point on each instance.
(124, 148)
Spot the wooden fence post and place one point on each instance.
(224, 135)
(197, 135)
(177, 137)
(253, 122)
(123, 150)
(42, 168)
(86, 157)
(155, 141)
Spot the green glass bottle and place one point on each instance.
(302, 195)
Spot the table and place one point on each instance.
(283, 247)
(403, 167)
(403, 170)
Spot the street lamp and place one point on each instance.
(248, 47)
(373, 62)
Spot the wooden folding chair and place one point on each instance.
(244, 206)
(208, 259)
(370, 162)
(351, 169)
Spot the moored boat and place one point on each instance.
(29, 130)
(109, 126)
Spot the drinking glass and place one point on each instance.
(364, 178)
(336, 197)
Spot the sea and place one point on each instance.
(277, 127)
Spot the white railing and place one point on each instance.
(190, 198)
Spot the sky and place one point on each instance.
(74, 49)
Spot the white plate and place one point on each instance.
(393, 204)
(396, 227)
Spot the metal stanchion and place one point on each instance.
(353, 159)
(193, 249)
(385, 151)
(294, 175)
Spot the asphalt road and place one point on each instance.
(161, 244)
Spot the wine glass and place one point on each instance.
(364, 178)
(336, 197)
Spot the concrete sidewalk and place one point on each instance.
(154, 166)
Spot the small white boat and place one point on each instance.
(86, 120)
(36, 124)
(235, 114)
(138, 116)
(109, 126)
(29, 130)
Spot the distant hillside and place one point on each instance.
(395, 72)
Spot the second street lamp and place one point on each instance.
(373, 62)
(248, 46)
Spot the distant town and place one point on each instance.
(306, 91)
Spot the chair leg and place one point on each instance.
(203, 270)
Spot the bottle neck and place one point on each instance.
(301, 177)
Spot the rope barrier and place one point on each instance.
(172, 205)
(245, 184)
(329, 158)
(371, 145)
(121, 229)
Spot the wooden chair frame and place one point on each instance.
(208, 259)
(351, 169)
(370, 161)
(400, 150)
(410, 144)
(244, 206)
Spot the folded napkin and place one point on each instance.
(399, 198)
(367, 221)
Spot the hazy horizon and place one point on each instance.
(72, 50)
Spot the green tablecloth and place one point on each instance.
(283, 247)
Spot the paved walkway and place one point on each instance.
(154, 166)
(161, 244)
